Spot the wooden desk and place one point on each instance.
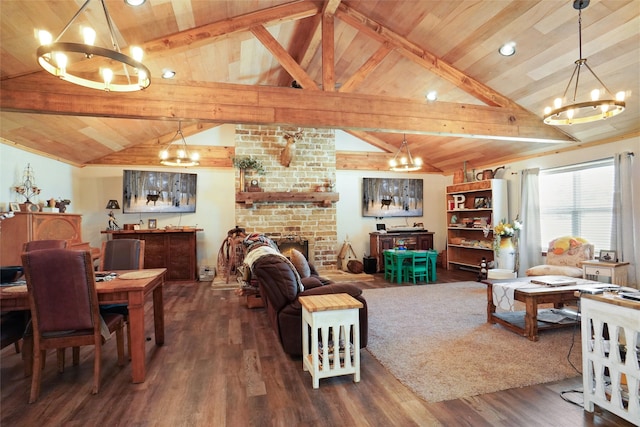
(173, 249)
(123, 291)
(526, 323)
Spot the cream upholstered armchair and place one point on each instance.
(564, 257)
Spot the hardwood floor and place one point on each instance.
(221, 365)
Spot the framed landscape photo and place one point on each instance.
(14, 207)
(607, 256)
(391, 197)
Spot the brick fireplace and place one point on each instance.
(313, 165)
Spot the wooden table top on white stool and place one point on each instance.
(327, 302)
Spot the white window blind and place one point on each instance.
(577, 200)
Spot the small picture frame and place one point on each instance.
(136, 226)
(14, 207)
(153, 224)
(608, 256)
(480, 203)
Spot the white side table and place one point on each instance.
(615, 271)
(332, 320)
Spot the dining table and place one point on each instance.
(130, 287)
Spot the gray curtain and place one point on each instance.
(624, 225)
(529, 250)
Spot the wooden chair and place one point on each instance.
(121, 254)
(64, 308)
(36, 245)
(418, 267)
(390, 268)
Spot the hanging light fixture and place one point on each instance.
(403, 161)
(180, 155)
(590, 110)
(90, 66)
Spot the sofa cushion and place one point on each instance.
(554, 270)
(300, 263)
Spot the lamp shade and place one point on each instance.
(112, 204)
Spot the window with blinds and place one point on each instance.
(577, 200)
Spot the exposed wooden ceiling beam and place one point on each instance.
(283, 57)
(205, 34)
(426, 59)
(228, 103)
(358, 77)
(358, 160)
(328, 65)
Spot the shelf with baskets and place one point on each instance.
(472, 210)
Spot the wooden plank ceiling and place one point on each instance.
(362, 66)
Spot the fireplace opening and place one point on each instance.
(286, 244)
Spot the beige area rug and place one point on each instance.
(345, 276)
(435, 340)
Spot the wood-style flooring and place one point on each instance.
(222, 365)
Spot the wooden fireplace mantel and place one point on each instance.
(324, 198)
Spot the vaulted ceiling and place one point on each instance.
(364, 66)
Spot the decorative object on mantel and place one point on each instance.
(112, 224)
(289, 150)
(61, 204)
(84, 64)
(487, 174)
(405, 162)
(244, 163)
(180, 155)
(28, 188)
(254, 186)
(584, 111)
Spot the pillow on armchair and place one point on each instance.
(564, 257)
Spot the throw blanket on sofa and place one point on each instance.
(258, 252)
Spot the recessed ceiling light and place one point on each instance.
(507, 49)
(168, 74)
(431, 95)
(134, 2)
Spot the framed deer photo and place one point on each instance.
(391, 197)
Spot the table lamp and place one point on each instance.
(112, 224)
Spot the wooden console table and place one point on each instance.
(27, 226)
(174, 250)
(380, 242)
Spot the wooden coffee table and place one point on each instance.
(526, 322)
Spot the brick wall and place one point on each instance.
(313, 164)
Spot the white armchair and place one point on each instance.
(564, 257)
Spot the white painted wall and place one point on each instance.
(91, 187)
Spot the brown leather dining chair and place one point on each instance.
(121, 254)
(36, 245)
(64, 308)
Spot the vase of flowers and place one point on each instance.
(505, 243)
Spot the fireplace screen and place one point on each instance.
(286, 244)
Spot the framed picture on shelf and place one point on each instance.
(480, 203)
(608, 256)
(153, 224)
(14, 207)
